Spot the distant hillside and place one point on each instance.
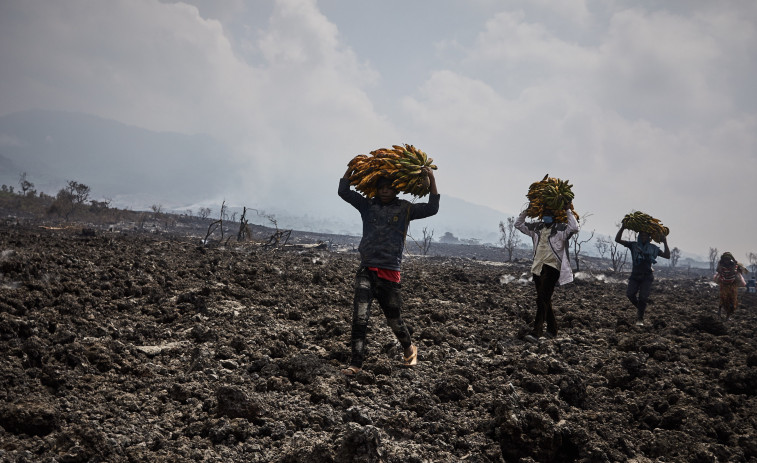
(146, 167)
(136, 168)
(112, 158)
(463, 219)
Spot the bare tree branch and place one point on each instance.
(509, 237)
(713, 258)
(244, 228)
(578, 243)
(675, 254)
(603, 245)
(618, 255)
(425, 244)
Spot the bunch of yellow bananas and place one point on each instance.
(640, 222)
(402, 164)
(550, 194)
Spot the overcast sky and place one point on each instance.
(642, 105)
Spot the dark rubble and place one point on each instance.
(126, 347)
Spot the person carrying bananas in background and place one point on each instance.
(385, 221)
(643, 255)
(551, 265)
(751, 285)
(729, 276)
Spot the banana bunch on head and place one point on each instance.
(550, 194)
(402, 164)
(640, 222)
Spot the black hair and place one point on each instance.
(384, 181)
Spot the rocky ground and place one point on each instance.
(136, 347)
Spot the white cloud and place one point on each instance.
(9, 140)
(660, 67)
(142, 62)
(573, 11)
(314, 99)
(515, 53)
(301, 111)
(636, 120)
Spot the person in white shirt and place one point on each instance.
(551, 265)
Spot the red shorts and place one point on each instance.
(391, 275)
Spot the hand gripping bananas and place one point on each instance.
(402, 164)
(640, 222)
(550, 194)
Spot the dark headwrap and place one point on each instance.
(727, 260)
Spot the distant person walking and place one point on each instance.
(385, 222)
(729, 276)
(643, 254)
(551, 264)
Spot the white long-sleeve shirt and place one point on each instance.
(558, 241)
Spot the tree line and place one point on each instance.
(75, 197)
(72, 197)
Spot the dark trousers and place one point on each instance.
(545, 286)
(638, 290)
(367, 287)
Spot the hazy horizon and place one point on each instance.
(641, 105)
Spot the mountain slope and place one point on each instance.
(112, 158)
(139, 167)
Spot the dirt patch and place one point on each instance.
(140, 348)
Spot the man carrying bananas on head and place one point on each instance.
(643, 255)
(551, 264)
(385, 221)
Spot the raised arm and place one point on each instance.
(619, 235)
(520, 223)
(346, 193)
(423, 210)
(432, 180)
(666, 252)
(572, 222)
